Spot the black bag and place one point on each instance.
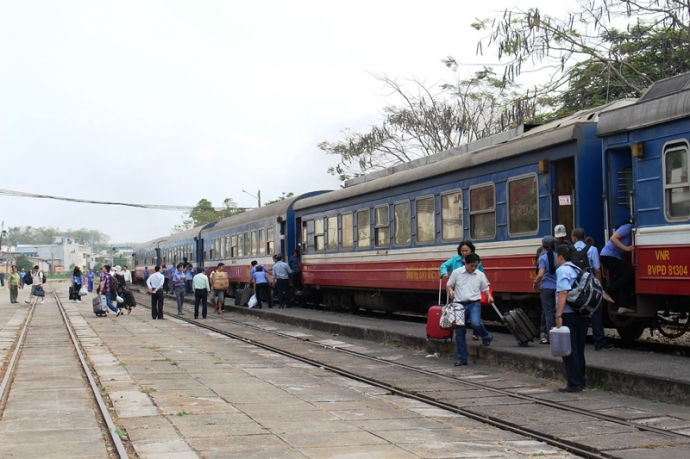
(45, 279)
(38, 291)
(579, 257)
(113, 284)
(28, 280)
(585, 295)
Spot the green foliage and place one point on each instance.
(204, 213)
(23, 262)
(30, 235)
(282, 197)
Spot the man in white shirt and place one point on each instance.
(155, 285)
(201, 289)
(465, 286)
(127, 274)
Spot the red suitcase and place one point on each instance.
(433, 317)
(433, 330)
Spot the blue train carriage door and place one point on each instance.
(563, 178)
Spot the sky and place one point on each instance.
(168, 102)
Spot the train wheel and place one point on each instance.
(672, 324)
(631, 332)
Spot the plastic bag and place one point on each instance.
(83, 291)
(452, 316)
(253, 301)
(119, 299)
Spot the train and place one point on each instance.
(377, 243)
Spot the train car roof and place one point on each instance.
(182, 235)
(275, 209)
(665, 100)
(151, 243)
(553, 133)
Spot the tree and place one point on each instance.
(282, 197)
(31, 235)
(204, 213)
(431, 120)
(23, 262)
(586, 59)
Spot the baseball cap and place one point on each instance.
(559, 231)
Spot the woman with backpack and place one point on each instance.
(546, 282)
(35, 278)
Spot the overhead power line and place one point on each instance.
(90, 201)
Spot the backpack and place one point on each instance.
(113, 284)
(579, 257)
(585, 295)
(45, 279)
(28, 280)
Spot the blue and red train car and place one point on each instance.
(378, 242)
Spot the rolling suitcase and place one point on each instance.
(518, 324)
(433, 317)
(246, 294)
(99, 306)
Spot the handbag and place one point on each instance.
(452, 316)
(38, 291)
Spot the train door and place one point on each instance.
(618, 188)
(199, 255)
(564, 172)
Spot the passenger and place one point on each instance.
(188, 278)
(2, 279)
(126, 301)
(465, 286)
(127, 276)
(37, 285)
(22, 273)
(622, 278)
(294, 263)
(155, 284)
(146, 273)
(178, 282)
(89, 278)
(260, 281)
(201, 291)
(166, 278)
(454, 262)
(218, 295)
(281, 275)
(104, 290)
(76, 285)
(561, 235)
(565, 315)
(546, 282)
(578, 238)
(13, 283)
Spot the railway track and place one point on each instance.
(88, 383)
(556, 422)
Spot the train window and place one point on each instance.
(482, 212)
(262, 241)
(319, 244)
(254, 240)
(348, 230)
(451, 216)
(305, 240)
(426, 223)
(233, 246)
(676, 182)
(382, 233)
(403, 224)
(240, 245)
(363, 229)
(523, 205)
(247, 244)
(270, 240)
(332, 233)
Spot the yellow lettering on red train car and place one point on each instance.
(662, 255)
(667, 270)
(421, 273)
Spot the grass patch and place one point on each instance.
(182, 413)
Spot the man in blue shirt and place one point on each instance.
(566, 315)
(281, 274)
(612, 257)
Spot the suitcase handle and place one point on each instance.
(500, 316)
(440, 280)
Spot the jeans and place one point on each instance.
(597, 322)
(460, 343)
(548, 309)
(473, 312)
(106, 297)
(575, 363)
(179, 294)
(283, 287)
(200, 295)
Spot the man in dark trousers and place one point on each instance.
(566, 274)
(155, 284)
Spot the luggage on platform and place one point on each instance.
(518, 324)
(246, 294)
(433, 319)
(99, 306)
